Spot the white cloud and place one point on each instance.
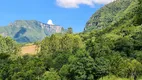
(76, 3)
(102, 1)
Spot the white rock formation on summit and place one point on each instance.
(50, 22)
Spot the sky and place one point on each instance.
(67, 13)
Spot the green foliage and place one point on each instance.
(115, 14)
(112, 77)
(69, 31)
(138, 17)
(23, 68)
(108, 15)
(8, 47)
(111, 53)
(58, 48)
(50, 75)
(67, 43)
(135, 68)
(80, 67)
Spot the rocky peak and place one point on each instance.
(30, 30)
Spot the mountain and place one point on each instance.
(113, 14)
(29, 30)
(116, 29)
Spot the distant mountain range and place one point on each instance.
(30, 30)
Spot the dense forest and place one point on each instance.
(111, 53)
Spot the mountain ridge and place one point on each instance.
(29, 30)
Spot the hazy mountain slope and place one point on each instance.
(109, 14)
(29, 30)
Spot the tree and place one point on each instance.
(54, 44)
(66, 43)
(69, 31)
(135, 68)
(138, 17)
(71, 43)
(50, 45)
(8, 47)
(50, 75)
(60, 60)
(80, 67)
(102, 66)
(98, 47)
(124, 45)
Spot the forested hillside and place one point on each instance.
(111, 53)
(117, 13)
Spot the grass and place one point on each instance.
(30, 49)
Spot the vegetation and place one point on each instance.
(111, 53)
(115, 14)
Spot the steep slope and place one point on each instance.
(121, 37)
(123, 34)
(110, 14)
(29, 30)
(126, 22)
